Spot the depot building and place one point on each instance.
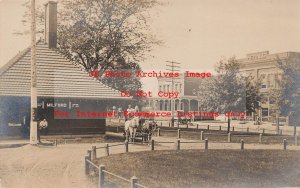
(61, 86)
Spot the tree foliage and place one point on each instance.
(104, 35)
(226, 91)
(287, 96)
(230, 86)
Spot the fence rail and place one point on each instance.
(115, 175)
(215, 126)
(101, 172)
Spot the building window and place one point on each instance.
(264, 81)
(265, 112)
(166, 106)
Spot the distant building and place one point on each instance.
(260, 65)
(187, 100)
(264, 65)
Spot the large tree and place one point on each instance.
(286, 96)
(104, 35)
(229, 90)
(230, 86)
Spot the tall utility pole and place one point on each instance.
(33, 111)
(172, 65)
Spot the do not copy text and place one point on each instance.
(162, 94)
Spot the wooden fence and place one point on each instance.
(229, 135)
(92, 155)
(234, 128)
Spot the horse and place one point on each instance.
(147, 127)
(130, 127)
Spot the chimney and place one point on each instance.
(51, 24)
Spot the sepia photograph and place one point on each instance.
(149, 93)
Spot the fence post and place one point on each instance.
(260, 138)
(247, 129)
(177, 143)
(178, 133)
(152, 145)
(296, 140)
(127, 136)
(107, 150)
(101, 176)
(133, 181)
(284, 144)
(187, 125)
(280, 131)
(169, 124)
(94, 153)
(206, 144)
(161, 124)
(87, 166)
(117, 129)
(263, 131)
(158, 132)
(201, 135)
(126, 146)
(229, 137)
(295, 130)
(197, 126)
(207, 127)
(242, 144)
(220, 128)
(232, 128)
(89, 154)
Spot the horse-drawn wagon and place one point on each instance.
(139, 128)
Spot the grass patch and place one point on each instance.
(212, 168)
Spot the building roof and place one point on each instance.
(56, 77)
(265, 56)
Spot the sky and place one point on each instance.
(196, 33)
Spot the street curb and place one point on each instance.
(4, 146)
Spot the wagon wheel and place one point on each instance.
(154, 126)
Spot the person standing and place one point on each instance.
(42, 128)
(119, 113)
(25, 126)
(136, 108)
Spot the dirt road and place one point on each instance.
(30, 166)
(63, 166)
